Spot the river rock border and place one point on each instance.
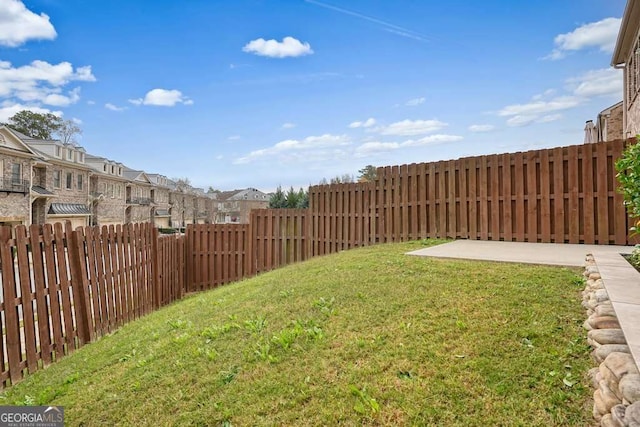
(616, 400)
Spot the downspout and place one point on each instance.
(623, 66)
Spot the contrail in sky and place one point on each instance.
(387, 26)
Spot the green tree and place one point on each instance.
(291, 198)
(628, 167)
(35, 125)
(367, 174)
(278, 199)
(303, 199)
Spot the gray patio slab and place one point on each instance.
(531, 253)
(621, 280)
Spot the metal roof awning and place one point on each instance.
(41, 191)
(68, 209)
(162, 212)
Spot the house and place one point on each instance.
(16, 162)
(609, 123)
(59, 182)
(106, 191)
(235, 206)
(626, 56)
(139, 196)
(161, 213)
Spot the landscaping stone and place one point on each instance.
(617, 413)
(601, 353)
(601, 295)
(594, 276)
(608, 397)
(609, 421)
(632, 415)
(604, 403)
(607, 336)
(603, 322)
(605, 309)
(621, 364)
(607, 375)
(630, 387)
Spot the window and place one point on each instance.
(113, 171)
(69, 154)
(69, 180)
(104, 167)
(81, 157)
(56, 179)
(58, 151)
(16, 173)
(80, 181)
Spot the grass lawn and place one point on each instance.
(369, 336)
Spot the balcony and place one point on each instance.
(144, 201)
(14, 186)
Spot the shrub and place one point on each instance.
(628, 168)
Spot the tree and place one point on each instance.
(292, 199)
(367, 174)
(35, 125)
(68, 131)
(182, 184)
(628, 167)
(278, 200)
(212, 190)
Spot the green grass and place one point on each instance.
(369, 336)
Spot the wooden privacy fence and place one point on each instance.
(62, 288)
(561, 195)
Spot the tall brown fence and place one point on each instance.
(561, 195)
(62, 288)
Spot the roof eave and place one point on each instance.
(624, 42)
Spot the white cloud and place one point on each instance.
(375, 147)
(8, 109)
(288, 47)
(412, 127)
(113, 107)
(540, 106)
(602, 82)
(288, 126)
(366, 124)
(601, 34)
(311, 148)
(19, 25)
(372, 148)
(41, 83)
(431, 139)
(527, 119)
(414, 102)
(162, 98)
(234, 138)
(481, 128)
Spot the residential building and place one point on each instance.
(139, 195)
(609, 124)
(106, 191)
(235, 206)
(161, 213)
(626, 56)
(60, 182)
(16, 162)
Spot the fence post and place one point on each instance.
(79, 282)
(155, 266)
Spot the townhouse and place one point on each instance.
(47, 181)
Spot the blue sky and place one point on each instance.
(257, 93)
